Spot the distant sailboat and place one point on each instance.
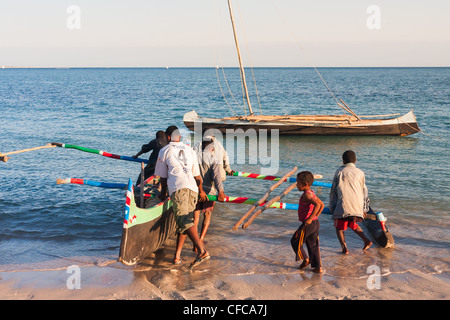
(347, 124)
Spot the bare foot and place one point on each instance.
(304, 264)
(367, 245)
(317, 270)
(344, 250)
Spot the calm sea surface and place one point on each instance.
(44, 225)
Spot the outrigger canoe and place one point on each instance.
(145, 230)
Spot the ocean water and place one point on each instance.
(44, 225)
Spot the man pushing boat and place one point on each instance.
(178, 168)
(349, 200)
(155, 146)
(212, 181)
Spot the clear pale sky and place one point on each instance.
(197, 33)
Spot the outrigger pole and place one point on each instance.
(4, 158)
(102, 153)
(240, 200)
(275, 178)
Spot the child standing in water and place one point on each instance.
(309, 209)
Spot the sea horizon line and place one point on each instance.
(217, 67)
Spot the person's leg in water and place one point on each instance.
(205, 224)
(341, 226)
(360, 233)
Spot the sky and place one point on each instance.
(197, 33)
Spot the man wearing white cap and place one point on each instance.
(212, 184)
(220, 154)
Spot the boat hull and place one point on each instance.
(378, 230)
(145, 230)
(400, 126)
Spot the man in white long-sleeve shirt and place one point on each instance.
(349, 200)
(177, 166)
(210, 171)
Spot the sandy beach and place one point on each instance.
(113, 284)
(158, 279)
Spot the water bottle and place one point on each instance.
(380, 216)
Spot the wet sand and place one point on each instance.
(221, 278)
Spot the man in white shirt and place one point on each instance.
(177, 166)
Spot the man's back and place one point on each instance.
(178, 163)
(348, 195)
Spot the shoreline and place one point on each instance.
(115, 281)
(235, 272)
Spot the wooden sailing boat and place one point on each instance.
(346, 124)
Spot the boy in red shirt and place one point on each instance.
(309, 209)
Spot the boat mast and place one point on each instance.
(244, 83)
